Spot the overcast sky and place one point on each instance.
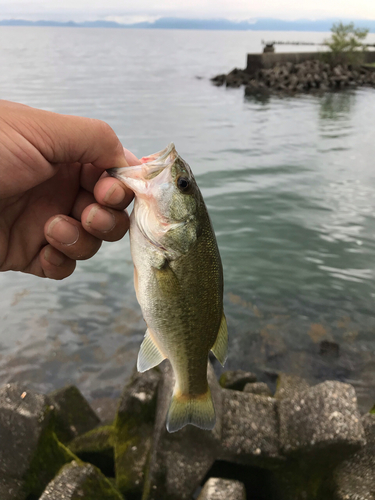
(136, 10)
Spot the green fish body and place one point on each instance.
(178, 280)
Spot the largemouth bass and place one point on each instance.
(178, 280)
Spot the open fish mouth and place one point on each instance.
(150, 167)
(161, 156)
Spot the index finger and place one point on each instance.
(65, 139)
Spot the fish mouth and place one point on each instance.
(160, 156)
(150, 167)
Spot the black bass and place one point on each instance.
(178, 279)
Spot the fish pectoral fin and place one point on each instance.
(220, 347)
(149, 354)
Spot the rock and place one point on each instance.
(236, 379)
(222, 489)
(97, 448)
(106, 409)
(77, 481)
(179, 461)
(354, 479)
(134, 429)
(250, 433)
(218, 80)
(259, 388)
(321, 419)
(30, 454)
(233, 82)
(337, 71)
(74, 416)
(287, 386)
(303, 77)
(329, 349)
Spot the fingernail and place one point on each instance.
(63, 231)
(101, 219)
(53, 256)
(115, 195)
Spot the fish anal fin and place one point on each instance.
(149, 354)
(191, 409)
(220, 347)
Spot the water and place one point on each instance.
(289, 184)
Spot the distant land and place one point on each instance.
(264, 24)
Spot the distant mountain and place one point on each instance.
(265, 24)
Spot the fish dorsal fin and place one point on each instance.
(149, 354)
(220, 347)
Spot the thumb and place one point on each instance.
(69, 139)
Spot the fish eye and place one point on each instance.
(183, 184)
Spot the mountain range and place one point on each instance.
(263, 24)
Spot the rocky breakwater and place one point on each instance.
(299, 443)
(307, 76)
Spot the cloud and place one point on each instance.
(149, 9)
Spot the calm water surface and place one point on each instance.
(289, 183)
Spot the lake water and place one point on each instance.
(289, 184)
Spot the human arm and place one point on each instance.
(56, 203)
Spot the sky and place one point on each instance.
(148, 10)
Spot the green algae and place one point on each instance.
(94, 441)
(133, 443)
(97, 448)
(87, 482)
(223, 379)
(134, 427)
(49, 457)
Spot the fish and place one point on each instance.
(178, 280)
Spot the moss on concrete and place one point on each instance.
(134, 427)
(49, 457)
(133, 442)
(96, 440)
(97, 448)
(79, 480)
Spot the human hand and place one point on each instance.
(56, 203)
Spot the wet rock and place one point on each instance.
(355, 478)
(288, 386)
(236, 379)
(250, 434)
(134, 429)
(74, 416)
(179, 461)
(97, 448)
(329, 349)
(323, 418)
(222, 489)
(30, 454)
(77, 481)
(259, 388)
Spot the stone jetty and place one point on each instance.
(291, 78)
(301, 443)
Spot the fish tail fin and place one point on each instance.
(192, 409)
